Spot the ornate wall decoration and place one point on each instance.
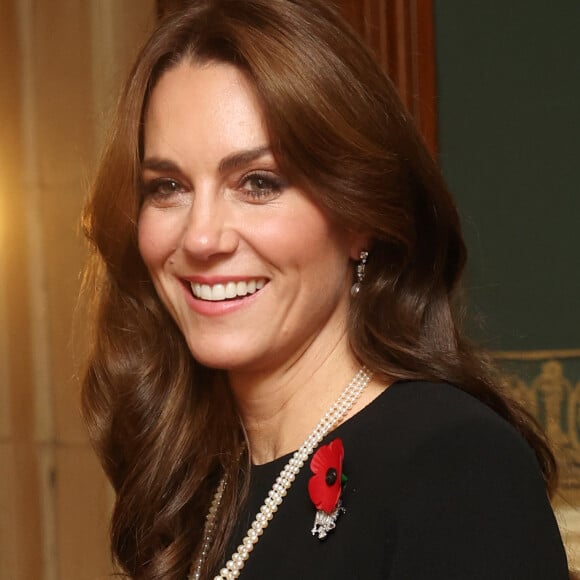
(547, 383)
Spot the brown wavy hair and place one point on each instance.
(166, 428)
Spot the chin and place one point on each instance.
(220, 357)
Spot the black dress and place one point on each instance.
(439, 487)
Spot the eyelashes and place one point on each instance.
(261, 185)
(161, 187)
(255, 186)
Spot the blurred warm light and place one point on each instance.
(3, 240)
(4, 363)
(9, 168)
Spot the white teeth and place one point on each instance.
(219, 292)
(231, 290)
(205, 293)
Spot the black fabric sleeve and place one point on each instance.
(473, 506)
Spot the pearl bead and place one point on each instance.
(258, 525)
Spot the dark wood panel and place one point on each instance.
(400, 32)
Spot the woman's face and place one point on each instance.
(250, 268)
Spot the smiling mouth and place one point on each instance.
(227, 291)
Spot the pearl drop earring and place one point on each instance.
(360, 273)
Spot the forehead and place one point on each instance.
(195, 106)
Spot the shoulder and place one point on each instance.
(446, 429)
(434, 435)
(420, 414)
(463, 486)
(429, 406)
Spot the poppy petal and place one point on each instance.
(324, 496)
(327, 456)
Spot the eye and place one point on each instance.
(161, 188)
(262, 185)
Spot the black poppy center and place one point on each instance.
(331, 476)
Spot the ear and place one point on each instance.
(359, 242)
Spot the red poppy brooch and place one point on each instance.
(325, 486)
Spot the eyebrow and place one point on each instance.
(241, 158)
(229, 163)
(158, 164)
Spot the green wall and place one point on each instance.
(509, 137)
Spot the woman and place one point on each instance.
(267, 225)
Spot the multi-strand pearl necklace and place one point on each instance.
(283, 482)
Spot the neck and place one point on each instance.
(280, 408)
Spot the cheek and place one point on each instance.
(307, 242)
(155, 238)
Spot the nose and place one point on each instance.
(210, 228)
